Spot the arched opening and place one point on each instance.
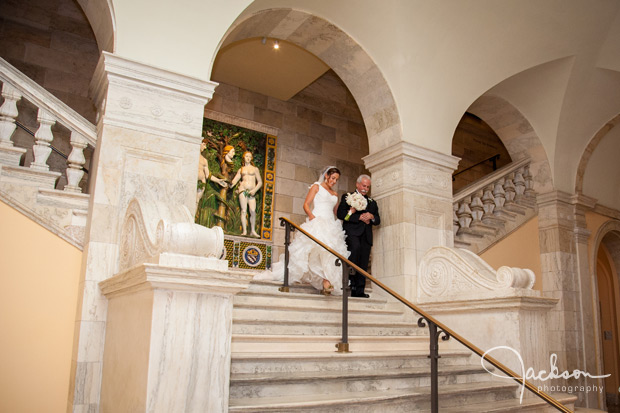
(342, 54)
(608, 292)
(334, 118)
(598, 172)
(517, 135)
(480, 149)
(53, 43)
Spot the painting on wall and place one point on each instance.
(236, 180)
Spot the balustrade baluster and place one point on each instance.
(477, 208)
(455, 218)
(8, 114)
(44, 137)
(76, 162)
(499, 194)
(519, 182)
(488, 201)
(529, 183)
(509, 188)
(464, 213)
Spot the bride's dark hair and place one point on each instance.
(332, 170)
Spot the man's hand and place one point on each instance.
(366, 217)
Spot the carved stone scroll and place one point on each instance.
(152, 229)
(450, 272)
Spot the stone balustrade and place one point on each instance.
(50, 111)
(482, 209)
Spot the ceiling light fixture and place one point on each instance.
(276, 45)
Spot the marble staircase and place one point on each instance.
(284, 359)
(491, 208)
(45, 188)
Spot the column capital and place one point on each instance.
(379, 159)
(137, 96)
(553, 198)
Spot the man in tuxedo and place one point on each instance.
(358, 227)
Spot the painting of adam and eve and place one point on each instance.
(231, 188)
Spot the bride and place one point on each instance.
(308, 261)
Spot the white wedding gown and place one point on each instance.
(308, 261)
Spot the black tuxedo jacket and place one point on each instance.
(353, 226)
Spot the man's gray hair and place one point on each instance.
(363, 176)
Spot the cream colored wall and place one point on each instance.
(432, 66)
(594, 222)
(603, 163)
(519, 249)
(182, 36)
(39, 275)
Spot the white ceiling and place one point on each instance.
(280, 73)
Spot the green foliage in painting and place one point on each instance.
(220, 206)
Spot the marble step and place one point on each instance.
(251, 343)
(301, 293)
(529, 405)
(252, 362)
(261, 385)
(325, 328)
(403, 400)
(300, 300)
(321, 315)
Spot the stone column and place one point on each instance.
(168, 337)
(565, 276)
(148, 139)
(587, 312)
(413, 187)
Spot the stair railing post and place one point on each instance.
(287, 241)
(343, 346)
(434, 335)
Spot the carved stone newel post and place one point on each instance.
(169, 323)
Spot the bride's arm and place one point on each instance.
(309, 199)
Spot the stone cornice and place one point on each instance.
(606, 211)
(135, 96)
(524, 300)
(581, 200)
(114, 66)
(553, 197)
(388, 155)
(242, 122)
(155, 276)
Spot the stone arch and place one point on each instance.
(100, 15)
(342, 54)
(517, 135)
(609, 235)
(587, 153)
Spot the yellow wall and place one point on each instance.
(39, 275)
(519, 249)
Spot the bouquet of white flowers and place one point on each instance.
(357, 201)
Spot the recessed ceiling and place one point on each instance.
(280, 73)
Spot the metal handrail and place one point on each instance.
(493, 158)
(436, 328)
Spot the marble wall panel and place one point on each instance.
(285, 169)
(88, 375)
(127, 358)
(305, 143)
(268, 117)
(277, 105)
(203, 363)
(311, 115)
(253, 98)
(285, 203)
